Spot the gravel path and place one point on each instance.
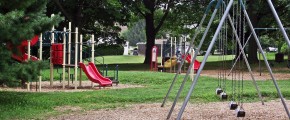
(272, 110)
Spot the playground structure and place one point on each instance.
(171, 55)
(58, 57)
(23, 56)
(61, 56)
(225, 17)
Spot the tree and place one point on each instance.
(20, 21)
(155, 13)
(135, 33)
(261, 16)
(98, 17)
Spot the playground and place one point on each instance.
(121, 101)
(222, 66)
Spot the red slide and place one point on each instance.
(23, 55)
(196, 63)
(94, 75)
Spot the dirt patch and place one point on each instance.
(57, 87)
(246, 76)
(272, 110)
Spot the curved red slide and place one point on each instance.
(196, 63)
(92, 73)
(24, 56)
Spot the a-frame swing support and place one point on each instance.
(200, 44)
(190, 45)
(259, 46)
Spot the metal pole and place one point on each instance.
(182, 61)
(198, 49)
(239, 55)
(265, 60)
(205, 58)
(191, 43)
(279, 24)
(245, 59)
(271, 28)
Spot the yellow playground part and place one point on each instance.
(170, 63)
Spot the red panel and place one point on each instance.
(60, 61)
(57, 53)
(53, 47)
(59, 47)
(60, 54)
(33, 41)
(53, 55)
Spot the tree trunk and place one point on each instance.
(252, 50)
(23, 84)
(78, 18)
(150, 36)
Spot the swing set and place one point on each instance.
(240, 16)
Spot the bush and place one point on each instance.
(284, 48)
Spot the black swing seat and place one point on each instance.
(233, 105)
(240, 112)
(223, 96)
(218, 91)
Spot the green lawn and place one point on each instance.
(127, 59)
(22, 105)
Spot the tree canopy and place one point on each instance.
(135, 33)
(156, 13)
(99, 17)
(19, 21)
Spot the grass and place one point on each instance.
(22, 105)
(140, 59)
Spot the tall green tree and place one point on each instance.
(261, 17)
(21, 20)
(135, 33)
(99, 17)
(155, 13)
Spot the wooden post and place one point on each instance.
(171, 38)
(81, 57)
(64, 55)
(175, 52)
(40, 58)
(93, 55)
(51, 64)
(69, 51)
(76, 57)
(28, 52)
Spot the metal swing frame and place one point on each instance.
(222, 21)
